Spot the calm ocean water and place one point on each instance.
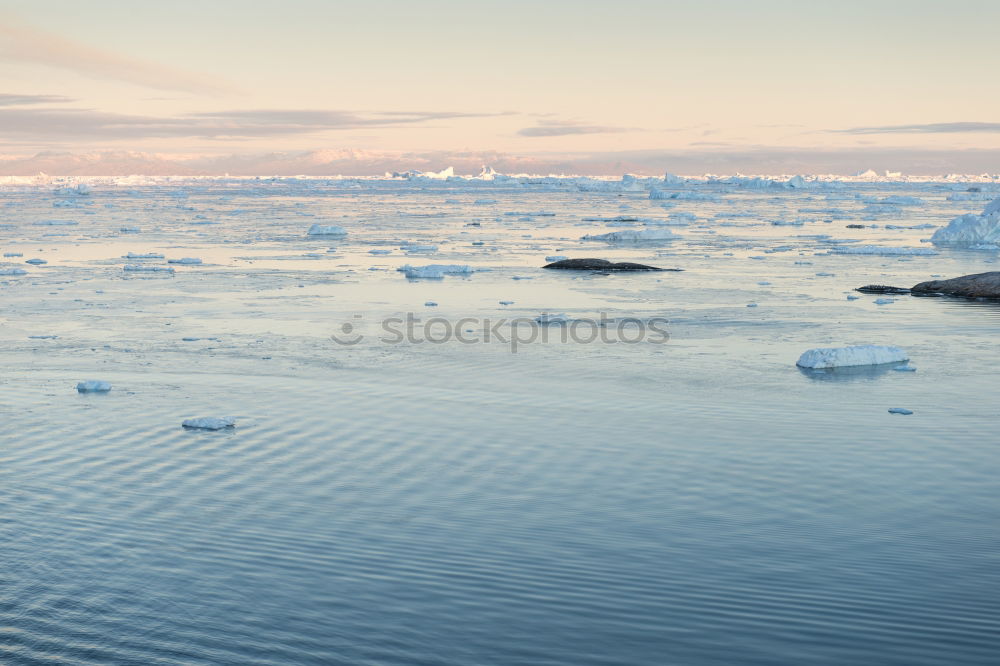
(700, 502)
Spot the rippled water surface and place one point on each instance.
(696, 502)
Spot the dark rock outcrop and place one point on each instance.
(602, 265)
(980, 285)
(881, 289)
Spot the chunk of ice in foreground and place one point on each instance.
(326, 230)
(93, 386)
(840, 357)
(900, 410)
(210, 423)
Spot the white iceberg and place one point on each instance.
(210, 423)
(93, 386)
(637, 235)
(840, 357)
(972, 229)
(326, 230)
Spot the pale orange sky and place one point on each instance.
(518, 77)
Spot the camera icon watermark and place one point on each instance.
(513, 332)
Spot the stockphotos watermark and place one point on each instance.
(513, 332)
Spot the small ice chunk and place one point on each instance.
(143, 255)
(130, 230)
(905, 368)
(93, 386)
(419, 248)
(900, 410)
(210, 423)
(189, 261)
(852, 297)
(36, 262)
(12, 254)
(555, 257)
(506, 302)
(546, 319)
(884, 301)
(326, 230)
(430, 304)
(751, 305)
(838, 357)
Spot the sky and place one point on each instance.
(552, 78)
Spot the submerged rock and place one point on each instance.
(980, 285)
(602, 265)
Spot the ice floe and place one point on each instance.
(434, 271)
(326, 230)
(883, 251)
(626, 235)
(837, 357)
(187, 261)
(209, 423)
(93, 386)
(139, 268)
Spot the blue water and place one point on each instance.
(697, 503)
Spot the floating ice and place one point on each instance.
(326, 230)
(143, 255)
(380, 252)
(506, 302)
(188, 261)
(93, 386)
(900, 410)
(972, 229)
(36, 262)
(430, 304)
(545, 319)
(419, 248)
(55, 223)
(884, 301)
(882, 251)
(555, 257)
(210, 423)
(434, 271)
(634, 235)
(837, 357)
(136, 268)
(12, 254)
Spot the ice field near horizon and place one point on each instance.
(696, 500)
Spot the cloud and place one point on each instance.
(25, 100)
(567, 128)
(932, 128)
(46, 124)
(26, 45)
